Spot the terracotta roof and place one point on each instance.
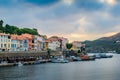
(28, 36)
(17, 37)
(53, 38)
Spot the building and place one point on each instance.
(19, 43)
(5, 42)
(31, 41)
(64, 42)
(39, 43)
(76, 45)
(53, 43)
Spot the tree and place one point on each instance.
(69, 45)
(29, 31)
(1, 26)
(35, 29)
(16, 30)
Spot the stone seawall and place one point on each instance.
(26, 54)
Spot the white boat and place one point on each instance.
(5, 63)
(75, 58)
(59, 60)
(20, 64)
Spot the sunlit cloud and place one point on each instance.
(110, 2)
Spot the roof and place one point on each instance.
(4, 34)
(18, 37)
(28, 36)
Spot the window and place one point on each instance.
(8, 45)
(5, 45)
(12, 45)
(1, 45)
(9, 37)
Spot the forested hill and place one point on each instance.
(16, 30)
(104, 44)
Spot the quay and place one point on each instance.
(27, 57)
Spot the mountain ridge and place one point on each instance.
(104, 44)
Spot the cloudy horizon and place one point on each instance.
(74, 19)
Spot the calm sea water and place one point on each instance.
(101, 69)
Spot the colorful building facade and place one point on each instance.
(5, 42)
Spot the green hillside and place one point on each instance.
(104, 44)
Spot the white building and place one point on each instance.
(54, 43)
(39, 42)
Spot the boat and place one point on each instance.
(109, 55)
(104, 55)
(6, 64)
(73, 58)
(19, 64)
(60, 59)
(37, 62)
(97, 56)
(87, 58)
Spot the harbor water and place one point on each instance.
(100, 69)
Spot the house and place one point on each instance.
(42, 42)
(39, 42)
(14, 41)
(5, 42)
(64, 42)
(76, 45)
(19, 43)
(30, 40)
(53, 43)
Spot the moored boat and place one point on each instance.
(87, 58)
(60, 59)
(5, 64)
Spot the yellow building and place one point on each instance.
(76, 45)
(5, 42)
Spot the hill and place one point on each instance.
(16, 30)
(104, 44)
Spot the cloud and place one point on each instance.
(109, 2)
(68, 2)
(74, 19)
(42, 2)
(89, 5)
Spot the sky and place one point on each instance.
(77, 20)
